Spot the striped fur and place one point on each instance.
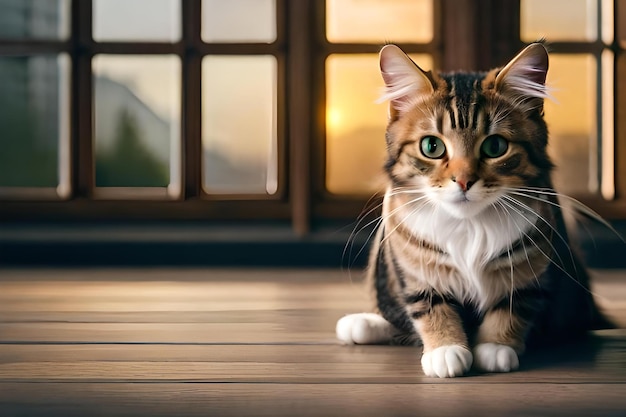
(471, 258)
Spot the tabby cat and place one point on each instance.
(471, 257)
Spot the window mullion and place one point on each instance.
(82, 165)
(299, 82)
(191, 163)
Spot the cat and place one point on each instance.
(471, 258)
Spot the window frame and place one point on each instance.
(88, 202)
(301, 49)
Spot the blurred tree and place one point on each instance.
(24, 161)
(129, 163)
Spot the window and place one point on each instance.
(34, 100)
(585, 76)
(265, 109)
(153, 102)
(581, 77)
(355, 123)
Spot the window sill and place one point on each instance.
(244, 244)
(241, 244)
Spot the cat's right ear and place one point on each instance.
(405, 82)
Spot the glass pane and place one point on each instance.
(34, 19)
(355, 123)
(379, 21)
(239, 124)
(239, 21)
(559, 20)
(137, 20)
(572, 123)
(137, 120)
(607, 183)
(34, 115)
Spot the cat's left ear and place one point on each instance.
(524, 77)
(405, 81)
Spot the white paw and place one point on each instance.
(363, 329)
(494, 357)
(447, 361)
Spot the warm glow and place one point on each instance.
(572, 123)
(379, 21)
(558, 20)
(333, 119)
(355, 122)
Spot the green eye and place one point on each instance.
(494, 146)
(432, 147)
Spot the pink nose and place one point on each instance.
(464, 183)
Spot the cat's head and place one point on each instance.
(463, 139)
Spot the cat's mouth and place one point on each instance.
(464, 208)
(465, 205)
(461, 198)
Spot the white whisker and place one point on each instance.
(579, 207)
(535, 244)
(524, 206)
(410, 214)
(349, 246)
(509, 255)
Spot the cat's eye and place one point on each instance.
(432, 147)
(494, 146)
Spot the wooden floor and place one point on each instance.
(170, 342)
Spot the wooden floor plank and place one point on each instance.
(285, 373)
(207, 353)
(602, 359)
(223, 333)
(278, 400)
(610, 344)
(300, 316)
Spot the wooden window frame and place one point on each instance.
(464, 39)
(86, 203)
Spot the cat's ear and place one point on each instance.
(524, 77)
(405, 82)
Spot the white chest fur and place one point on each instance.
(469, 244)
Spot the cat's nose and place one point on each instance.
(464, 183)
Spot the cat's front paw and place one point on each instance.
(494, 357)
(447, 361)
(363, 329)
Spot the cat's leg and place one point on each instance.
(446, 353)
(364, 329)
(500, 340)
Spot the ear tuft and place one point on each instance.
(405, 82)
(525, 75)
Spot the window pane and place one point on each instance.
(559, 20)
(239, 124)
(137, 120)
(34, 112)
(572, 122)
(355, 123)
(379, 21)
(35, 19)
(137, 20)
(239, 21)
(607, 149)
(607, 16)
